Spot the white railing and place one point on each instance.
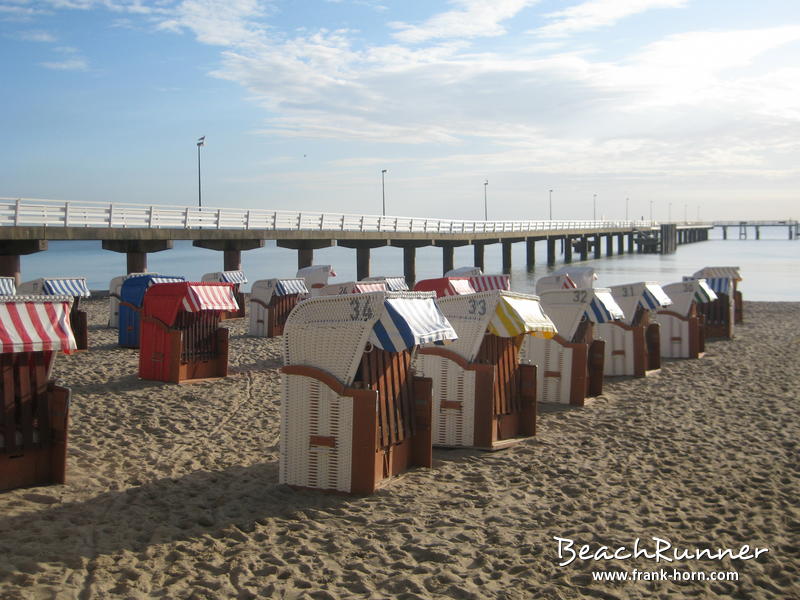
(27, 212)
(775, 222)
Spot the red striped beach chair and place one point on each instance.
(271, 301)
(479, 281)
(682, 333)
(353, 412)
(445, 286)
(33, 410)
(64, 286)
(181, 339)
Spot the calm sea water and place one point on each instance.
(770, 267)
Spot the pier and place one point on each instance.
(26, 226)
(793, 227)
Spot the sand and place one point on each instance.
(173, 490)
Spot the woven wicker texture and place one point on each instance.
(674, 336)
(646, 294)
(684, 293)
(619, 354)
(554, 368)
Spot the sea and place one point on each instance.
(770, 267)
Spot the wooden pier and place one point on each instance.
(26, 226)
(793, 227)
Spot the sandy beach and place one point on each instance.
(173, 490)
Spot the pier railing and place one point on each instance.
(26, 212)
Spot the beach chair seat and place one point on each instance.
(237, 278)
(483, 396)
(353, 412)
(181, 339)
(129, 310)
(682, 331)
(33, 410)
(271, 301)
(64, 286)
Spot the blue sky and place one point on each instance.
(690, 104)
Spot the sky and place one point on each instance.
(670, 109)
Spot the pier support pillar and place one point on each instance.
(305, 249)
(724, 232)
(507, 256)
(410, 258)
(567, 249)
(137, 251)
(758, 232)
(551, 251)
(362, 248)
(609, 245)
(530, 253)
(11, 250)
(584, 248)
(630, 242)
(597, 246)
(479, 248)
(620, 243)
(448, 252)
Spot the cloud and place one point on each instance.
(473, 18)
(218, 22)
(36, 36)
(69, 64)
(595, 14)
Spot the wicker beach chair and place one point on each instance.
(237, 278)
(352, 287)
(482, 396)
(114, 289)
(393, 284)
(64, 286)
(180, 335)
(682, 333)
(33, 410)
(479, 281)
(555, 282)
(129, 311)
(721, 314)
(271, 301)
(353, 412)
(445, 286)
(633, 344)
(581, 276)
(316, 277)
(571, 362)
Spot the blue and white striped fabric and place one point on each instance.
(7, 286)
(232, 277)
(408, 322)
(603, 309)
(166, 279)
(287, 287)
(720, 285)
(654, 298)
(66, 286)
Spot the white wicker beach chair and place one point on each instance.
(633, 344)
(571, 363)
(582, 276)
(271, 301)
(353, 413)
(554, 282)
(482, 396)
(728, 309)
(682, 335)
(316, 276)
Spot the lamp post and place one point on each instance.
(383, 190)
(200, 142)
(651, 210)
(485, 205)
(551, 205)
(594, 207)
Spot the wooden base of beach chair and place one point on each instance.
(738, 306)
(80, 328)
(719, 317)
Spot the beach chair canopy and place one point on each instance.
(646, 294)
(36, 323)
(484, 283)
(567, 308)
(555, 282)
(583, 277)
(234, 277)
(684, 293)
(264, 289)
(502, 313)
(714, 272)
(56, 286)
(166, 300)
(445, 286)
(134, 288)
(333, 332)
(8, 286)
(393, 284)
(352, 287)
(463, 272)
(115, 285)
(316, 276)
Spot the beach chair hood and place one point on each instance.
(464, 272)
(316, 276)
(36, 323)
(567, 308)
(393, 284)
(645, 294)
(332, 332)
(134, 287)
(56, 286)
(684, 293)
(7, 286)
(264, 289)
(714, 272)
(445, 286)
(235, 277)
(555, 282)
(352, 287)
(484, 283)
(583, 277)
(166, 300)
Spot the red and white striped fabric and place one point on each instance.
(485, 283)
(30, 324)
(364, 288)
(209, 297)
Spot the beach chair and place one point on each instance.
(554, 282)
(181, 339)
(353, 412)
(633, 344)
(445, 286)
(237, 278)
(8, 286)
(129, 311)
(581, 276)
(33, 410)
(393, 284)
(316, 277)
(479, 281)
(352, 287)
(64, 286)
(721, 315)
(271, 301)
(570, 364)
(114, 288)
(682, 334)
(482, 396)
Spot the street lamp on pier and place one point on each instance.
(551, 205)
(485, 205)
(201, 141)
(594, 207)
(383, 190)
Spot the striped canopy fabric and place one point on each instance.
(719, 285)
(445, 286)
(714, 272)
(514, 316)
(703, 293)
(66, 286)
(583, 277)
(408, 322)
(36, 323)
(684, 293)
(166, 279)
(555, 282)
(393, 284)
(603, 308)
(653, 297)
(165, 300)
(7, 286)
(209, 297)
(484, 283)
(232, 277)
(287, 287)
